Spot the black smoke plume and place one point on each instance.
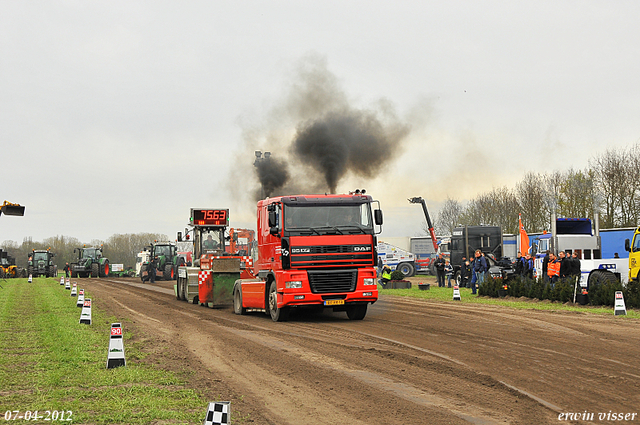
(272, 174)
(340, 142)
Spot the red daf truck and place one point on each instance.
(313, 251)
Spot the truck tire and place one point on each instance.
(237, 301)
(104, 269)
(178, 289)
(457, 278)
(356, 312)
(95, 270)
(600, 277)
(183, 294)
(407, 269)
(277, 314)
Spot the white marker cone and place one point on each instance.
(85, 316)
(30, 279)
(74, 289)
(80, 301)
(115, 357)
(619, 307)
(456, 293)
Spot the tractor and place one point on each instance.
(8, 266)
(41, 263)
(90, 263)
(166, 263)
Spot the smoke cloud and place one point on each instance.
(317, 138)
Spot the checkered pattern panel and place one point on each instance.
(218, 413)
(203, 275)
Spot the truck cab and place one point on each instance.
(313, 251)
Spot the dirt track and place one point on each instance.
(409, 361)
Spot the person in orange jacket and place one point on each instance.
(553, 268)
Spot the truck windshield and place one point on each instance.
(328, 218)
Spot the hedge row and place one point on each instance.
(600, 294)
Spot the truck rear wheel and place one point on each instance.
(356, 312)
(95, 270)
(407, 269)
(179, 289)
(277, 314)
(237, 301)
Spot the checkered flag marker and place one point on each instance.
(218, 413)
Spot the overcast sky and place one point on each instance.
(118, 117)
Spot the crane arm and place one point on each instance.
(419, 200)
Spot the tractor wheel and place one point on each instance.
(356, 312)
(167, 273)
(52, 271)
(104, 269)
(30, 271)
(237, 301)
(95, 270)
(277, 314)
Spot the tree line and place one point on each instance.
(608, 186)
(118, 248)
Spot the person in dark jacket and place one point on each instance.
(545, 267)
(518, 264)
(480, 266)
(66, 270)
(439, 265)
(465, 275)
(152, 269)
(575, 265)
(565, 264)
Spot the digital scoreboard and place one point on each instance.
(209, 217)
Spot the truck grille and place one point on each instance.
(332, 256)
(327, 281)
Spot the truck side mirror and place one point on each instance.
(627, 245)
(179, 236)
(274, 230)
(377, 216)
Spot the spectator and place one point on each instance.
(529, 266)
(545, 264)
(553, 269)
(575, 265)
(448, 271)
(439, 265)
(480, 267)
(66, 270)
(465, 275)
(565, 265)
(518, 264)
(386, 276)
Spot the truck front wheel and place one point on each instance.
(277, 314)
(356, 312)
(237, 301)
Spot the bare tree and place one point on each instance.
(530, 192)
(448, 217)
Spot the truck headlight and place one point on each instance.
(294, 284)
(369, 281)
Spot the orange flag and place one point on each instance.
(524, 238)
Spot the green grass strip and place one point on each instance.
(446, 295)
(49, 361)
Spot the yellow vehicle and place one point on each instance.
(634, 255)
(8, 266)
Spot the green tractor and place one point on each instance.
(90, 263)
(41, 263)
(166, 262)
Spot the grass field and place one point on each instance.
(50, 362)
(446, 295)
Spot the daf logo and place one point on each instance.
(300, 250)
(362, 248)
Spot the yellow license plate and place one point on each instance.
(334, 302)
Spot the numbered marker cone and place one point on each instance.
(115, 357)
(218, 413)
(67, 285)
(456, 293)
(85, 316)
(74, 289)
(68, 280)
(80, 301)
(30, 279)
(62, 281)
(619, 307)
